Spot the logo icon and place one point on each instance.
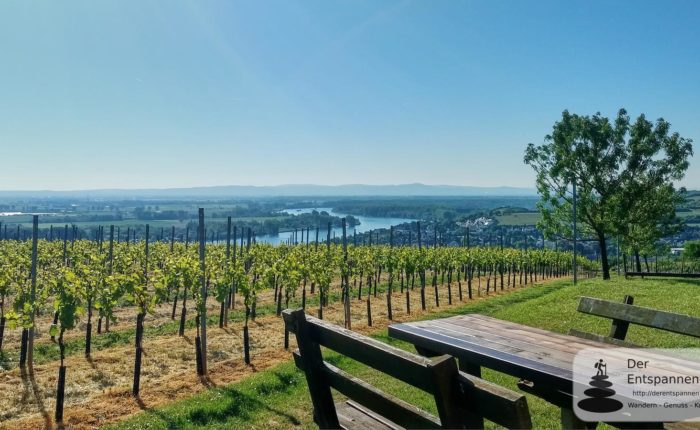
(599, 396)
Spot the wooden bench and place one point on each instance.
(625, 313)
(462, 400)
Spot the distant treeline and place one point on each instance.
(215, 229)
(430, 208)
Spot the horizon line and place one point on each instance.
(259, 186)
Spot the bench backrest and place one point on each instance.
(624, 314)
(462, 400)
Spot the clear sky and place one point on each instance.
(139, 94)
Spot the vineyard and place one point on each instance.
(179, 314)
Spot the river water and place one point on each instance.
(367, 223)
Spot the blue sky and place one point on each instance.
(138, 94)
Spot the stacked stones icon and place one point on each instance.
(599, 396)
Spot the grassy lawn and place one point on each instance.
(278, 398)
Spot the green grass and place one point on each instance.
(278, 398)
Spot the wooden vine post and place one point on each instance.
(232, 300)
(226, 304)
(422, 268)
(391, 273)
(111, 261)
(139, 327)
(32, 293)
(345, 279)
(203, 293)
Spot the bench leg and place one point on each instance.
(570, 421)
(474, 370)
(470, 368)
(466, 367)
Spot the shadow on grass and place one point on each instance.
(234, 404)
(681, 281)
(32, 388)
(170, 423)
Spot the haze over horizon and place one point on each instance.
(178, 94)
(286, 190)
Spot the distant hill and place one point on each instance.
(298, 190)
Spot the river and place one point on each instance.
(367, 223)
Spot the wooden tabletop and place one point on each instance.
(544, 358)
(530, 353)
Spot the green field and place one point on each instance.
(278, 398)
(519, 218)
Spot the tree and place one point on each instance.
(692, 248)
(654, 217)
(616, 167)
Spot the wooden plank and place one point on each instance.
(509, 363)
(464, 366)
(675, 323)
(542, 350)
(557, 398)
(618, 329)
(575, 340)
(447, 396)
(393, 361)
(552, 348)
(600, 338)
(534, 332)
(354, 416)
(394, 409)
(557, 355)
(495, 403)
(512, 341)
(321, 397)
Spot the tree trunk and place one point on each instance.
(604, 255)
(637, 261)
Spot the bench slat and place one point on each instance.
(601, 338)
(675, 323)
(495, 403)
(394, 409)
(393, 361)
(352, 416)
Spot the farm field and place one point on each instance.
(137, 287)
(519, 218)
(277, 398)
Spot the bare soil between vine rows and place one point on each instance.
(98, 391)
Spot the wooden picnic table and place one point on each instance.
(542, 359)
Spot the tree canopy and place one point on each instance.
(624, 174)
